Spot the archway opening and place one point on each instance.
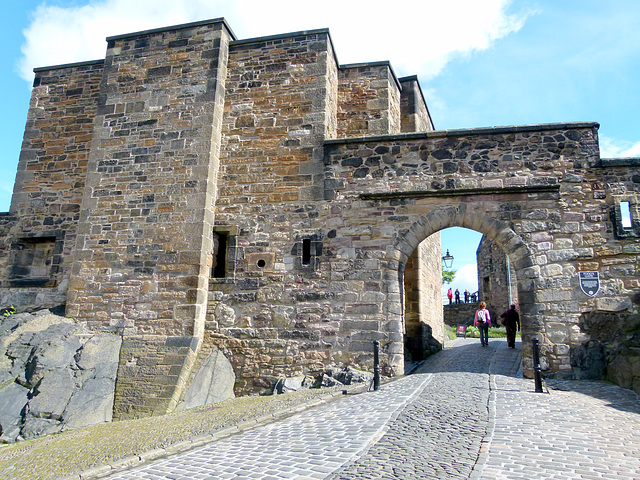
(479, 270)
(462, 276)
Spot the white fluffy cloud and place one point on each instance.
(417, 37)
(611, 148)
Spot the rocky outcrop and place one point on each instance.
(55, 375)
(332, 377)
(213, 383)
(613, 351)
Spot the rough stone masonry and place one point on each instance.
(193, 193)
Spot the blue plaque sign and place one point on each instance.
(590, 283)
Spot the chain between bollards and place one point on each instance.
(537, 369)
(376, 365)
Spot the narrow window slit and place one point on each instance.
(306, 251)
(220, 255)
(625, 211)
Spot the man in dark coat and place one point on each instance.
(511, 320)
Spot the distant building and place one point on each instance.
(497, 283)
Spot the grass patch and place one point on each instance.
(75, 451)
(494, 332)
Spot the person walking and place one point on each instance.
(511, 320)
(450, 295)
(482, 320)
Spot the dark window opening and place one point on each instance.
(486, 286)
(35, 261)
(261, 263)
(219, 269)
(306, 251)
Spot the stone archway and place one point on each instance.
(407, 240)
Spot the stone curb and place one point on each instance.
(201, 440)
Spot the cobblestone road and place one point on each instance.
(466, 413)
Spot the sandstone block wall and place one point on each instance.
(52, 168)
(460, 313)
(145, 239)
(497, 285)
(369, 100)
(415, 114)
(423, 316)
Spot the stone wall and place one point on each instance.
(280, 105)
(45, 207)
(143, 257)
(144, 237)
(460, 314)
(497, 283)
(415, 114)
(369, 100)
(424, 328)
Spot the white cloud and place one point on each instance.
(58, 35)
(416, 37)
(612, 148)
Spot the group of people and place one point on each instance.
(510, 319)
(468, 297)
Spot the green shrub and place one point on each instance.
(473, 332)
(494, 332)
(8, 311)
(449, 332)
(498, 332)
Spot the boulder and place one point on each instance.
(349, 375)
(293, 384)
(325, 381)
(56, 375)
(332, 377)
(213, 383)
(13, 399)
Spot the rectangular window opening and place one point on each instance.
(35, 261)
(219, 269)
(306, 251)
(625, 211)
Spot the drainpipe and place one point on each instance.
(509, 282)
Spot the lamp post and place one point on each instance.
(448, 260)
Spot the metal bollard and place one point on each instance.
(537, 369)
(376, 365)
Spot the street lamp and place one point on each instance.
(448, 260)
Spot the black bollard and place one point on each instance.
(537, 369)
(376, 365)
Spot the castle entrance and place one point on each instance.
(529, 191)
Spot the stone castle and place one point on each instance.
(193, 191)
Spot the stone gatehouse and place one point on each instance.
(193, 191)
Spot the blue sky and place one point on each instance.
(481, 63)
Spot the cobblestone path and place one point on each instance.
(440, 434)
(467, 413)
